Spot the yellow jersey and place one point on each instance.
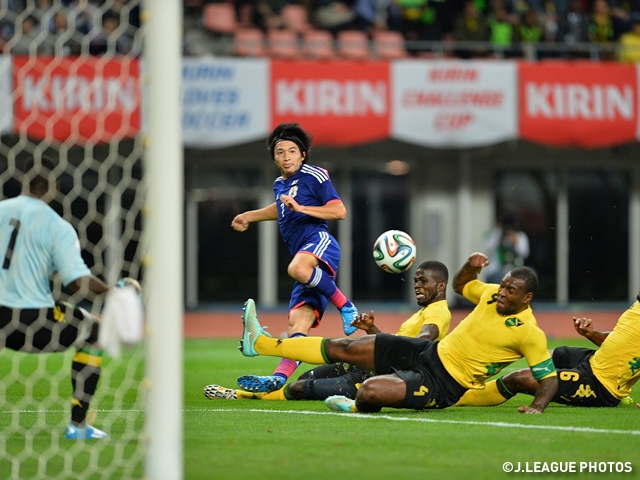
(617, 362)
(485, 341)
(436, 313)
(629, 50)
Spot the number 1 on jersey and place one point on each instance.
(15, 223)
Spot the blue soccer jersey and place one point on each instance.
(309, 186)
(35, 242)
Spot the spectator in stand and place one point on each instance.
(83, 15)
(549, 19)
(110, 39)
(129, 12)
(517, 7)
(502, 30)
(412, 13)
(435, 20)
(621, 11)
(530, 33)
(630, 42)
(601, 25)
(333, 15)
(574, 27)
(507, 247)
(471, 26)
(245, 13)
(529, 29)
(66, 39)
(372, 15)
(26, 41)
(44, 13)
(269, 14)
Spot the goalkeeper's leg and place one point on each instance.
(56, 330)
(85, 374)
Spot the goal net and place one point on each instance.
(70, 90)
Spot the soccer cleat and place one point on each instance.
(87, 432)
(252, 329)
(216, 392)
(255, 384)
(348, 315)
(339, 403)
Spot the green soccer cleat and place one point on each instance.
(252, 330)
(340, 403)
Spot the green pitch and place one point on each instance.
(293, 440)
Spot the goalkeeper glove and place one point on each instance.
(123, 282)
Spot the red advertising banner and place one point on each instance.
(341, 103)
(582, 104)
(78, 99)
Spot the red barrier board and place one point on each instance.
(581, 104)
(341, 103)
(77, 98)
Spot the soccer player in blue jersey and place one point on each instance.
(35, 243)
(305, 200)
(431, 322)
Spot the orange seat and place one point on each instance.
(283, 44)
(353, 45)
(296, 17)
(388, 45)
(249, 42)
(318, 45)
(219, 17)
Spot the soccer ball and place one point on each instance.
(394, 251)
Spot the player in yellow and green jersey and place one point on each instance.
(431, 322)
(587, 377)
(417, 373)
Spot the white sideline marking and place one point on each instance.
(361, 416)
(433, 420)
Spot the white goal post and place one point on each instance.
(76, 78)
(164, 270)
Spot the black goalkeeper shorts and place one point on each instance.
(41, 330)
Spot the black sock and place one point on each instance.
(85, 373)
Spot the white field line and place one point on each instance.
(359, 416)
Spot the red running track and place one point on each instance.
(555, 323)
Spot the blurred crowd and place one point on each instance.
(503, 28)
(70, 27)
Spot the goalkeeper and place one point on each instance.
(35, 243)
(431, 322)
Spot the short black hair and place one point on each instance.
(292, 132)
(507, 219)
(528, 275)
(39, 172)
(439, 268)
